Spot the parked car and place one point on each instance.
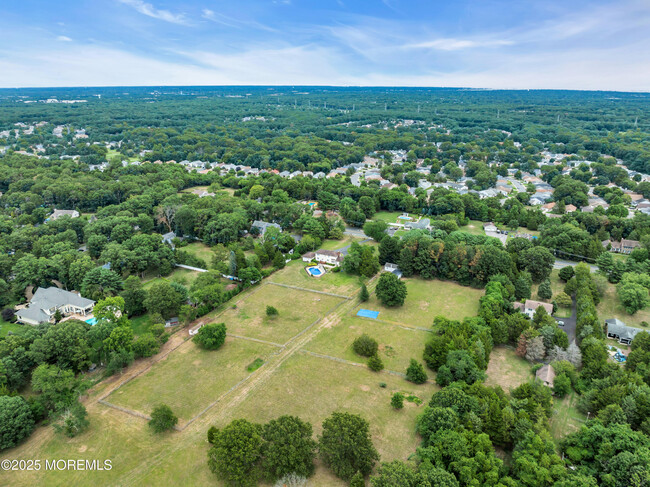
(560, 323)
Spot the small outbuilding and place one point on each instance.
(546, 374)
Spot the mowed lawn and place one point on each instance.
(200, 251)
(190, 378)
(184, 276)
(427, 299)
(295, 274)
(296, 311)
(397, 345)
(507, 369)
(566, 418)
(312, 388)
(611, 307)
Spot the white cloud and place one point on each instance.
(63, 39)
(450, 44)
(151, 11)
(228, 21)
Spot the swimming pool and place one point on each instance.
(314, 271)
(91, 321)
(402, 217)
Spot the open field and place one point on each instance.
(294, 274)
(391, 216)
(475, 227)
(566, 418)
(339, 244)
(298, 388)
(297, 310)
(113, 153)
(397, 345)
(506, 369)
(191, 378)
(611, 307)
(199, 250)
(183, 276)
(426, 300)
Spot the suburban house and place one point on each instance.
(59, 213)
(262, 227)
(490, 227)
(168, 237)
(422, 224)
(546, 374)
(529, 307)
(331, 257)
(618, 330)
(393, 268)
(47, 301)
(623, 247)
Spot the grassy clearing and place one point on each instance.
(200, 251)
(392, 216)
(506, 369)
(475, 227)
(113, 153)
(183, 276)
(312, 388)
(6, 327)
(294, 274)
(190, 378)
(339, 244)
(426, 300)
(611, 307)
(396, 344)
(297, 310)
(566, 418)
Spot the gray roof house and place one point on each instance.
(59, 213)
(47, 301)
(618, 330)
(263, 226)
(422, 224)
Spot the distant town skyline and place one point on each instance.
(571, 44)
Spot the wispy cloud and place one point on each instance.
(233, 22)
(450, 44)
(149, 10)
(63, 39)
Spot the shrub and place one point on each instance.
(397, 401)
(363, 294)
(382, 385)
(365, 346)
(162, 419)
(73, 420)
(375, 364)
(8, 314)
(271, 311)
(211, 336)
(415, 372)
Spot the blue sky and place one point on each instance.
(571, 44)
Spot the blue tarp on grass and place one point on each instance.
(366, 313)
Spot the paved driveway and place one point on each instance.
(570, 323)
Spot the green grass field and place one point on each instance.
(611, 307)
(112, 153)
(566, 418)
(297, 310)
(294, 274)
(475, 227)
(426, 300)
(199, 250)
(183, 276)
(397, 345)
(190, 378)
(391, 216)
(339, 244)
(507, 369)
(6, 327)
(298, 388)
